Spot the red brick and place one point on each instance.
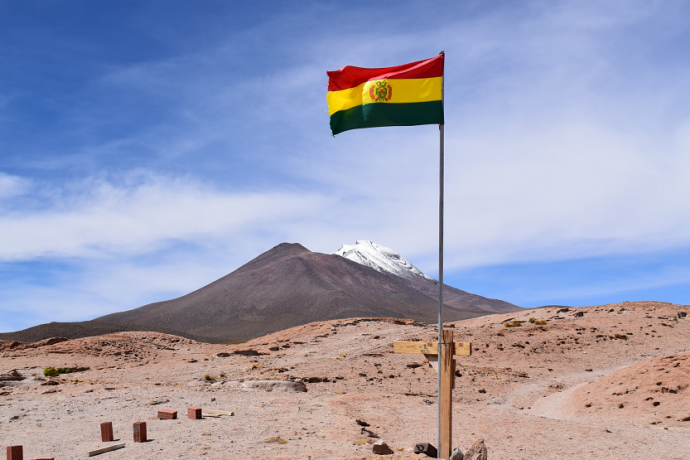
(166, 414)
(107, 432)
(194, 413)
(43, 458)
(140, 432)
(15, 453)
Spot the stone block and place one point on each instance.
(166, 414)
(426, 449)
(107, 432)
(15, 453)
(140, 432)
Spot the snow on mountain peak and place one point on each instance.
(380, 258)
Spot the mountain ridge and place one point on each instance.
(386, 260)
(286, 286)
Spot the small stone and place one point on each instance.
(155, 402)
(457, 454)
(369, 433)
(477, 451)
(361, 422)
(381, 448)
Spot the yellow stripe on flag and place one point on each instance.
(396, 92)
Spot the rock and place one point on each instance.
(477, 451)
(381, 448)
(53, 341)
(222, 355)
(426, 449)
(276, 385)
(361, 422)
(456, 454)
(155, 402)
(369, 433)
(78, 369)
(11, 376)
(249, 352)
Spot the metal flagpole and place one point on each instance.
(440, 266)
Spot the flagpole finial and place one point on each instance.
(442, 52)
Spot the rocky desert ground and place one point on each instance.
(600, 382)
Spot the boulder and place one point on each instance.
(11, 375)
(276, 385)
(477, 451)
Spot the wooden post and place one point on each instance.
(446, 374)
(446, 369)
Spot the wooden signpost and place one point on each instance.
(446, 370)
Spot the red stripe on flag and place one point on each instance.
(349, 76)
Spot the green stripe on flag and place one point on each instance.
(385, 114)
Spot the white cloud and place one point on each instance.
(97, 218)
(11, 186)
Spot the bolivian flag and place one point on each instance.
(406, 95)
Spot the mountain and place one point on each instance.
(387, 261)
(284, 287)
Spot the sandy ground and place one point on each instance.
(603, 382)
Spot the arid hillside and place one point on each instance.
(601, 382)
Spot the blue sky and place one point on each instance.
(149, 147)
